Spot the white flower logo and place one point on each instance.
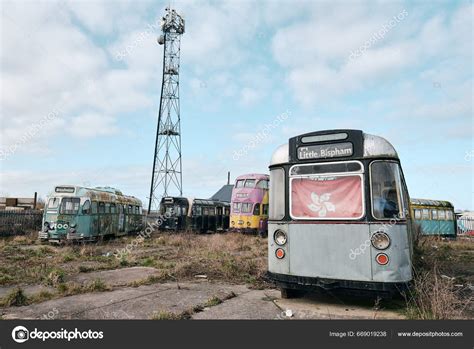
(321, 204)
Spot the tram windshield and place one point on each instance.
(386, 188)
(316, 195)
(53, 203)
(69, 205)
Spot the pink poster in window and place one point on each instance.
(330, 197)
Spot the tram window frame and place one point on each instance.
(434, 214)
(197, 210)
(425, 214)
(442, 215)
(355, 173)
(236, 206)
(212, 211)
(417, 213)
(399, 190)
(140, 210)
(205, 211)
(265, 209)
(252, 183)
(107, 208)
(130, 209)
(113, 208)
(277, 201)
(334, 168)
(449, 215)
(248, 207)
(101, 207)
(86, 210)
(94, 207)
(240, 183)
(256, 209)
(56, 201)
(262, 184)
(76, 204)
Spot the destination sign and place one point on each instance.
(64, 189)
(325, 151)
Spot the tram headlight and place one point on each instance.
(279, 237)
(380, 240)
(73, 225)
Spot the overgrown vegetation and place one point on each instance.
(443, 272)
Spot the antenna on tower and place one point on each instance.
(167, 176)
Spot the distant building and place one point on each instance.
(224, 193)
(18, 203)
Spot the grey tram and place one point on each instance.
(339, 214)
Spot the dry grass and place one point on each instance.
(228, 257)
(443, 271)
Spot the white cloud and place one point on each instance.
(316, 52)
(92, 125)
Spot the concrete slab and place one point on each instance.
(314, 306)
(128, 303)
(29, 290)
(116, 277)
(252, 304)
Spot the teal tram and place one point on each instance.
(78, 213)
(434, 217)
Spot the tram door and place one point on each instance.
(121, 221)
(219, 219)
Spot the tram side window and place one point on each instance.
(130, 211)
(113, 208)
(449, 215)
(94, 207)
(246, 207)
(227, 211)
(140, 210)
(86, 207)
(256, 209)
(425, 214)
(107, 208)
(277, 197)
(205, 211)
(236, 207)
(434, 215)
(387, 199)
(240, 183)
(417, 213)
(442, 214)
(262, 184)
(265, 209)
(69, 205)
(101, 207)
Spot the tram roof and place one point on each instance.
(374, 146)
(100, 193)
(428, 202)
(253, 176)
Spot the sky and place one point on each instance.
(80, 87)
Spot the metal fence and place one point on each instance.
(19, 222)
(466, 226)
